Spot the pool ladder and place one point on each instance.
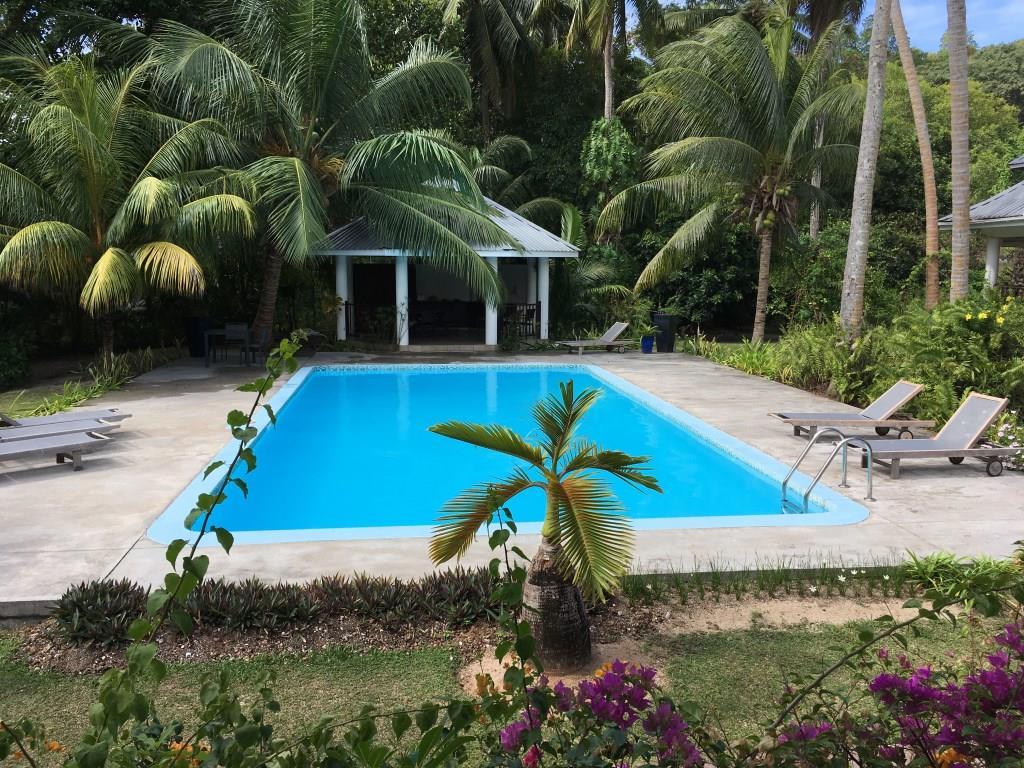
(841, 446)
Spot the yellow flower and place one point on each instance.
(54, 746)
(983, 315)
(1000, 320)
(948, 757)
(484, 684)
(968, 316)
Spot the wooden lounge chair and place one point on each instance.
(609, 340)
(64, 447)
(881, 414)
(34, 431)
(958, 440)
(107, 414)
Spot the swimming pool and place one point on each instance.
(351, 456)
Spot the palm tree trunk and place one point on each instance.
(960, 146)
(485, 115)
(851, 310)
(555, 610)
(924, 144)
(764, 265)
(268, 292)
(609, 73)
(107, 336)
(814, 228)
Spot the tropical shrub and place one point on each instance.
(101, 611)
(14, 368)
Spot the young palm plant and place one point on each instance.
(586, 542)
(745, 127)
(103, 196)
(332, 142)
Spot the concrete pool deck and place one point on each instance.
(59, 527)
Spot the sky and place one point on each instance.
(989, 21)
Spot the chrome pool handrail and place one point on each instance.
(840, 446)
(810, 444)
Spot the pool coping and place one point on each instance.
(838, 509)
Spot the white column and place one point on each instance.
(342, 287)
(542, 295)
(992, 245)
(402, 300)
(491, 313)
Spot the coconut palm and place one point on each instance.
(498, 44)
(586, 542)
(924, 144)
(739, 116)
(960, 152)
(332, 142)
(595, 22)
(494, 169)
(104, 196)
(851, 308)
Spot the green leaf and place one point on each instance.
(193, 517)
(174, 549)
(400, 723)
(196, 565)
(247, 734)
(156, 600)
(249, 458)
(270, 413)
(182, 621)
(212, 468)
(139, 629)
(225, 539)
(498, 538)
(237, 419)
(426, 717)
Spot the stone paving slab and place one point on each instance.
(58, 527)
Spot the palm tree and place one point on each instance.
(924, 143)
(956, 40)
(586, 543)
(596, 21)
(498, 43)
(851, 310)
(494, 169)
(105, 196)
(332, 142)
(738, 114)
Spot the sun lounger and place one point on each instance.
(64, 447)
(958, 440)
(10, 434)
(107, 414)
(609, 340)
(881, 414)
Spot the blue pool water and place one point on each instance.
(351, 456)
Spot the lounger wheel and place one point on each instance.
(956, 459)
(906, 434)
(881, 431)
(994, 468)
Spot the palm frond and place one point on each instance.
(706, 155)
(206, 219)
(199, 144)
(494, 437)
(113, 283)
(22, 199)
(45, 256)
(464, 515)
(169, 267)
(506, 150)
(559, 414)
(295, 204)
(622, 465)
(595, 539)
(149, 202)
(675, 192)
(684, 244)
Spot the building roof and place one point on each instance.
(1001, 215)
(1017, 163)
(357, 239)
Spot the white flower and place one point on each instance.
(814, 590)
(885, 577)
(842, 578)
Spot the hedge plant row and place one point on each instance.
(101, 611)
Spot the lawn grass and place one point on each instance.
(21, 402)
(333, 682)
(739, 674)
